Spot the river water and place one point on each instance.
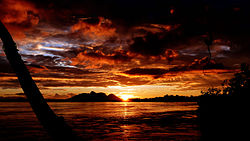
(105, 120)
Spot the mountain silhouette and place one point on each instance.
(94, 97)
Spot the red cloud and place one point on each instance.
(18, 16)
(98, 58)
(36, 68)
(100, 28)
(197, 64)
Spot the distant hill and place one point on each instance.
(94, 97)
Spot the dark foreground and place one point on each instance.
(224, 118)
(106, 120)
(224, 113)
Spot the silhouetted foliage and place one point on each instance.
(237, 86)
(167, 98)
(223, 112)
(212, 91)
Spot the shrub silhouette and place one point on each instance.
(237, 86)
(223, 112)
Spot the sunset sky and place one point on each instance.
(141, 48)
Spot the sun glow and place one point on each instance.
(125, 97)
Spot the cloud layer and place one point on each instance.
(126, 43)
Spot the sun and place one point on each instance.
(125, 97)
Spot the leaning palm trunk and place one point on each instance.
(55, 125)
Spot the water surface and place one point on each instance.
(106, 120)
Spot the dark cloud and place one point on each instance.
(20, 94)
(40, 60)
(5, 66)
(150, 45)
(153, 71)
(67, 73)
(197, 64)
(99, 57)
(10, 83)
(83, 83)
(223, 14)
(75, 71)
(95, 28)
(153, 45)
(124, 80)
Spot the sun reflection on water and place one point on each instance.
(125, 110)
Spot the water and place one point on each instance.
(106, 120)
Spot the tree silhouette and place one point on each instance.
(55, 125)
(239, 85)
(236, 86)
(223, 112)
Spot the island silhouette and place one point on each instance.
(94, 97)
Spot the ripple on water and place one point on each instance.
(106, 120)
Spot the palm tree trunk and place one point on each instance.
(55, 125)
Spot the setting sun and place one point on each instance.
(126, 97)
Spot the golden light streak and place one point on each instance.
(126, 97)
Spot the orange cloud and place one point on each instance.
(101, 28)
(156, 28)
(170, 54)
(197, 65)
(19, 12)
(97, 58)
(18, 16)
(36, 68)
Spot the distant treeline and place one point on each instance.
(167, 98)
